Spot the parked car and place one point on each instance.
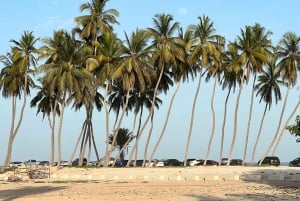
(172, 162)
(189, 160)
(295, 162)
(232, 161)
(196, 162)
(211, 162)
(30, 162)
(270, 160)
(16, 164)
(121, 163)
(76, 162)
(160, 164)
(45, 163)
(236, 162)
(139, 163)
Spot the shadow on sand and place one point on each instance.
(270, 185)
(17, 193)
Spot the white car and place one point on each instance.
(16, 164)
(159, 164)
(196, 162)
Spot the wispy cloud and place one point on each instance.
(182, 11)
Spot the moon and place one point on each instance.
(182, 11)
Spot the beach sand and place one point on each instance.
(163, 184)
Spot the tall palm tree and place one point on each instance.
(97, 22)
(204, 33)
(47, 103)
(215, 69)
(289, 63)
(134, 72)
(251, 56)
(166, 56)
(263, 43)
(15, 80)
(267, 87)
(64, 71)
(229, 80)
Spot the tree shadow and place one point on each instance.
(12, 194)
(265, 184)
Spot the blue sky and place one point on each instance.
(44, 16)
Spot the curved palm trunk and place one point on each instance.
(105, 164)
(249, 121)
(258, 134)
(235, 124)
(223, 126)
(166, 122)
(213, 121)
(148, 117)
(147, 142)
(187, 147)
(60, 133)
(118, 126)
(284, 128)
(13, 130)
(52, 138)
(278, 126)
(77, 143)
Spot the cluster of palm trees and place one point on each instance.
(91, 67)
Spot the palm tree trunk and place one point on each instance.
(149, 115)
(60, 133)
(119, 125)
(235, 124)
(249, 121)
(14, 131)
(105, 164)
(213, 121)
(52, 126)
(147, 142)
(278, 126)
(187, 147)
(223, 126)
(11, 136)
(77, 143)
(166, 122)
(258, 134)
(284, 128)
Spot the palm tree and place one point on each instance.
(230, 80)
(96, 23)
(261, 38)
(267, 87)
(134, 72)
(289, 64)
(251, 56)
(204, 32)
(124, 137)
(215, 70)
(64, 72)
(167, 55)
(47, 103)
(15, 80)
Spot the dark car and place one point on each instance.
(295, 162)
(270, 160)
(172, 162)
(211, 162)
(121, 163)
(76, 162)
(236, 162)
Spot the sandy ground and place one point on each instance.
(116, 185)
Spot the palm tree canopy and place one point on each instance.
(289, 56)
(97, 21)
